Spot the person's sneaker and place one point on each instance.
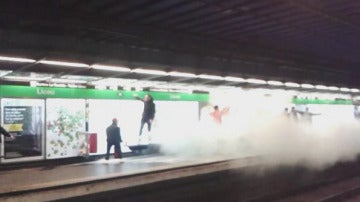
(106, 158)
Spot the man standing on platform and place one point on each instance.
(113, 138)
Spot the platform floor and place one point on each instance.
(28, 179)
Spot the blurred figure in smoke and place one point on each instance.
(293, 114)
(306, 116)
(286, 114)
(217, 114)
(356, 113)
(148, 113)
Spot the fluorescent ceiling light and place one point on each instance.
(255, 81)
(75, 86)
(100, 87)
(306, 85)
(292, 84)
(111, 68)
(275, 83)
(150, 71)
(182, 74)
(203, 88)
(234, 79)
(211, 77)
(114, 81)
(20, 78)
(354, 90)
(3, 73)
(333, 88)
(57, 80)
(15, 59)
(77, 77)
(177, 88)
(59, 63)
(321, 87)
(345, 89)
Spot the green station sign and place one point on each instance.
(12, 91)
(322, 101)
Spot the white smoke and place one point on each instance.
(286, 143)
(278, 142)
(274, 138)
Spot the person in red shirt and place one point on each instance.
(217, 114)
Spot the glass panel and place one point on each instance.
(168, 116)
(24, 119)
(128, 113)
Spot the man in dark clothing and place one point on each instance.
(113, 138)
(148, 113)
(4, 132)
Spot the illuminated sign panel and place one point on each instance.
(53, 92)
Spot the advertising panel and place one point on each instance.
(65, 118)
(24, 118)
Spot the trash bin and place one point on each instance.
(93, 142)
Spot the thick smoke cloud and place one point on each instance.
(279, 142)
(276, 139)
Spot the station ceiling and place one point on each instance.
(290, 40)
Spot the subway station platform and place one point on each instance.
(95, 177)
